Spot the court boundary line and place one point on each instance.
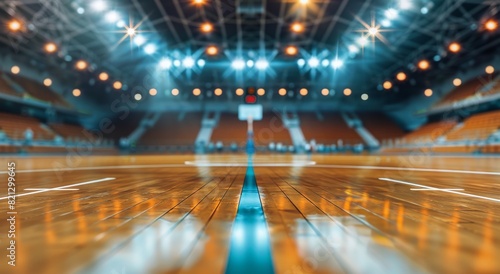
(477, 172)
(443, 190)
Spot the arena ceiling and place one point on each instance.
(340, 44)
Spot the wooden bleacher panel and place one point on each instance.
(271, 130)
(381, 126)
(329, 130)
(69, 131)
(476, 127)
(431, 131)
(230, 129)
(14, 127)
(168, 130)
(40, 91)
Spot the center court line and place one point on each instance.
(246, 164)
(51, 189)
(412, 169)
(59, 188)
(443, 190)
(439, 189)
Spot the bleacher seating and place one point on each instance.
(270, 130)
(172, 129)
(328, 130)
(381, 126)
(5, 88)
(40, 92)
(230, 129)
(430, 132)
(463, 91)
(68, 131)
(476, 127)
(14, 127)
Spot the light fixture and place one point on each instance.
(362, 41)
(206, 27)
(238, 64)
(103, 76)
(424, 65)
(353, 49)
(47, 82)
(150, 49)
(50, 47)
(428, 92)
(489, 69)
(139, 40)
(372, 31)
(198, 2)
(98, 5)
(76, 92)
(387, 85)
(14, 25)
(153, 92)
(303, 92)
(261, 64)
(239, 91)
(201, 63)
(491, 24)
(401, 76)
(325, 92)
(81, 65)
(297, 27)
(175, 92)
(261, 92)
(15, 70)
(112, 16)
(391, 13)
(405, 4)
(457, 82)
(165, 63)
(337, 63)
(301, 62)
(325, 63)
(130, 31)
(188, 62)
(250, 63)
(196, 92)
(212, 50)
(291, 50)
(138, 96)
(313, 62)
(218, 92)
(282, 91)
(117, 85)
(364, 97)
(347, 92)
(454, 47)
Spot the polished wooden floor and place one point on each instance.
(343, 214)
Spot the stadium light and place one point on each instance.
(262, 64)
(120, 24)
(239, 91)
(153, 92)
(353, 49)
(188, 62)
(491, 24)
(98, 5)
(201, 63)
(391, 14)
(212, 50)
(81, 65)
(218, 92)
(325, 63)
(489, 69)
(325, 92)
(282, 92)
(428, 92)
(50, 47)
(424, 65)
(291, 50)
(238, 64)
(362, 41)
(387, 85)
(261, 92)
(250, 63)
(196, 92)
(364, 97)
(117, 85)
(15, 70)
(303, 92)
(103, 76)
(206, 27)
(112, 16)
(15, 25)
(373, 31)
(139, 40)
(47, 82)
(401, 76)
(165, 63)
(297, 27)
(313, 62)
(150, 49)
(454, 47)
(177, 63)
(337, 63)
(175, 92)
(301, 62)
(347, 92)
(76, 92)
(457, 82)
(386, 23)
(138, 96)
(405, 4)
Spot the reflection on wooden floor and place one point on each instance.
(161, 216)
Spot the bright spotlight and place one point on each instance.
(117, 85)
(130, 31)
(457, 82)
(304, 2)
(98, 5)
(325, 63)
(15, 70)
(428, 92)
(218, 92)
(489, 69)
(250, 63)
(240, 92)
(301, 62)
(50, 47)
(81, 65)
(201, 63)
(175, 92)
(177, 63)
(337, 63)
(491, 25)
(47, 82)
(325, 92)
(387, 85)
(291, 50)
(303, 92)
(15, 25)
(386, 23)
(262, 64)
(238, 64)
(150, 49)
(424, 65)
(297, 27)
(454, 47)
(353, 49)
(112, 16)
(405, 4)
(347, 92)
(313, 62)
(206, 27)
(139, 40)
(401, 76)
(212, 50)
(138, 97)
(282, 92)
(261, 92)
(188, 62)
(373, 31)
(103, 76)
(120, 24)
(76, 92)
(153, 92)
(364, 97)
(165, 63)
(363, 41)
(391, 13)
(196, 92)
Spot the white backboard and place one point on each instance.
(245, 111)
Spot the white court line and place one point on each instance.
(440, 189)
(412, 169)
(92, 168)
(443, 190)
(50, 189)
(244, 164)
(61, 187)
